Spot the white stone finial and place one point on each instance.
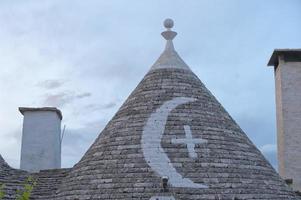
(168, 34)
(168, 23)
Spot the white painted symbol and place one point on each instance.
(153, 152)
(162, 198)
(189, 141)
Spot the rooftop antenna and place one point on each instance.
(63, 133)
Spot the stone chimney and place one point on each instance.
(287, 68)
(41, 139)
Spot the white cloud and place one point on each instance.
(51, 84)
(63, 98)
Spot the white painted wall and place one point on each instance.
(41, 146)
(288, 104)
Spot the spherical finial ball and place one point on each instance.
(168, 23)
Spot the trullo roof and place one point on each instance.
(172, 130)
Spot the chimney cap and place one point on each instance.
(58, 112)
(295, 54)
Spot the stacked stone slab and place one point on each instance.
(172, 128)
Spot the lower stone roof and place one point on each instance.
(47, 181)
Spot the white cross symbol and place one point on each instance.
(189, 141)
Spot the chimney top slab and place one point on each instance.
(54, 109)
(293, 55)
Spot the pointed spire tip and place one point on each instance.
(169, 58)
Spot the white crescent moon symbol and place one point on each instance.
(151, 144)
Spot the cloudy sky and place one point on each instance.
(85, 57)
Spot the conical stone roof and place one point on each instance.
(172, 127)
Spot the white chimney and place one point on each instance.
(41, 139)
(287, 67)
